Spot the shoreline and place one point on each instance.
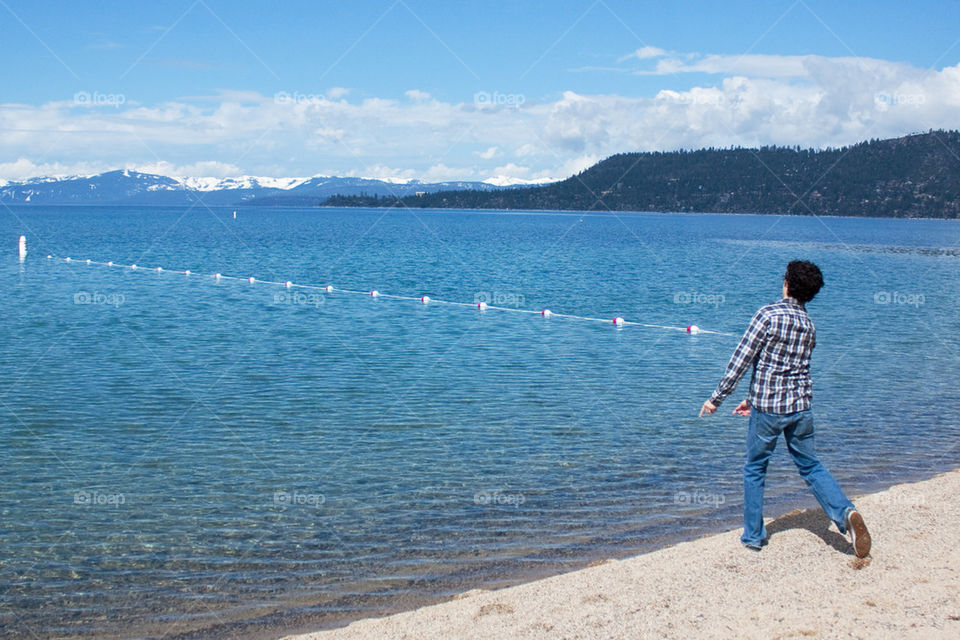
(805, 583)
(250, 206)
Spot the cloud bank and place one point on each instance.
(749, 100)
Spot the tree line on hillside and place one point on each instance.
(912, 176)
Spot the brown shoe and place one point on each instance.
(859, 535)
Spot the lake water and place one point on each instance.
(185, 457)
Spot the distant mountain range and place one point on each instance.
(913, 176)
(132, 187)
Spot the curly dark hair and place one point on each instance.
(803, 280)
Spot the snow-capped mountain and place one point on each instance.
(132, 187)
(243, 182)
(508, 181)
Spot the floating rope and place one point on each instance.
(373, 293)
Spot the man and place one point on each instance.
(777, 345)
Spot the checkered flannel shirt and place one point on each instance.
(777, 344)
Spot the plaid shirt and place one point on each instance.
(777, 344)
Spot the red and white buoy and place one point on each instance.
(425, 299)
(618, 321)
(693, 329)
(546, 313)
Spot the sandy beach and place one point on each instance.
(806, 583)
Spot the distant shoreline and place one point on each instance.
(593, 212)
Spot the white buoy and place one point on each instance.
(187, 272)
(618, 321)
(133, 266)
(693, 329)
(89, 261)
(328, 288)
(110, 264)
(425, 299)
(217, 276)
(22, 248)
(49, 256)
(234, 215)
(374, 294)
(251, 279)
(482, 306)
(159, 269)
(67, 259)
(546, 313)
(288, 284)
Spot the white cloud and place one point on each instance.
(574, 166)
(441, 173)
(385, 173)
(753, 65)
(206, 169)
(528, 149)
(327, 134)
(644, 53)
(335, 93)
(23, 168)
(754, 100)
(512, 170)
(749, 65)
(490, 153)
(416, 95)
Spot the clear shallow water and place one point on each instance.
(188, 457)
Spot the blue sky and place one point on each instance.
(442, 90)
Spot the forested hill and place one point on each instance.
(913, 176)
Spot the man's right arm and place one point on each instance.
(743, 357)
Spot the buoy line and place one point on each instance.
(617, 321)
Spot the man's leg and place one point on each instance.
(799, 437)
(762, 435)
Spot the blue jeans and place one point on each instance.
(762, 436)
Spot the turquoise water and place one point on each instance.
(186, 457)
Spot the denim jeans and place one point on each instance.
(762, 436)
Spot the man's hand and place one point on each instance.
(707, 408)
(743, 409)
